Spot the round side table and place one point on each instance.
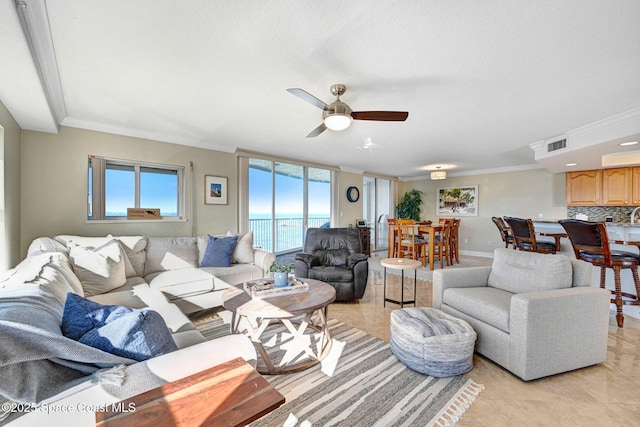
(401, 264)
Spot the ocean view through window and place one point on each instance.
(116, 185)
(284, 200)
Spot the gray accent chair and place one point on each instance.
(535, 314)
(334, 256)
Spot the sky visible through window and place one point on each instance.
(156, 191)
(288, 196)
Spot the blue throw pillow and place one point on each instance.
(81, 315)
(139, 335)
(219, 251)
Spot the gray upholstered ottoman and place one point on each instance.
(432, 342)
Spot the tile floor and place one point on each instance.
(602, 395)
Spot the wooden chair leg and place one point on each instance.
(636, 281)
(618, 296)
(603, 275)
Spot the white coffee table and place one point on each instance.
(401, 264)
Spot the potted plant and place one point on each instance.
(280, 273)
(409, 205)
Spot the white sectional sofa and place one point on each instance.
(169, 264)
(64, 378)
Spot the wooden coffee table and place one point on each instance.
(230, 394)
(297, 312)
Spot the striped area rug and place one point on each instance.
(361, 383)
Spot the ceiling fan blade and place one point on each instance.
(306, 96)
(383, 116)
(317, 131)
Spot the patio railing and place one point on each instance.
(289, 233)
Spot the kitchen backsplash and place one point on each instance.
(600, 213)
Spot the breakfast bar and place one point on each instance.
(624, 235)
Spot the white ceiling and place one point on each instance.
(481, 80)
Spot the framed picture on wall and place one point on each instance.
(457, 201)
(215, 190)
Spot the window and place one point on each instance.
(284, 200)
(115, 185)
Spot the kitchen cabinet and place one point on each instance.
(635, 186)
(616, 187)
(584, 188)
(605, 187)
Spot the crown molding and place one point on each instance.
(99, 127)
(450, 174)
(35, 26)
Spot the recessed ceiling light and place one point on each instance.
(624, 144)
(571, 164)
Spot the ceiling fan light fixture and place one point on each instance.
(337, 121)
(439, 174)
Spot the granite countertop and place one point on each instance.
(609, 224)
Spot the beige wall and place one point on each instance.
(11, 204)
(54, 182)
(348, 211)
(523, 194)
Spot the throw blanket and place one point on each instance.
(36, 360)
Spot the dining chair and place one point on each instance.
(505, 231)
(525, 236)
(410, 242)
(455, 250)
(392, 240)
(442, 248)
(591, 244)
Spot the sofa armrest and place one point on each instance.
(263, 259)
(558, 330)
(467, 277)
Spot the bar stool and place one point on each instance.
(505, 231)
(525, 236)
(591, 244)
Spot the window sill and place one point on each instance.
(133, 221)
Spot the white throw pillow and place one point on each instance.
(100, 270)
(134, 249)
(243, 253)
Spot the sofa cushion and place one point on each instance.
(87, 242)
(134, 248)
(331, 274)
(487, 304)
(178, 283)
(100, 269)
(170, 253)
(520, 271)
(237, 273)
(51, 270)
(219, 251)
(45, 244)
(81, 315)
(137, 335)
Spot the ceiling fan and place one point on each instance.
(338, 115)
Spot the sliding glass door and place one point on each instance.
(377, 207)
(285, 199)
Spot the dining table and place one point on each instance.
(430, 230)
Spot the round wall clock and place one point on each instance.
(353, 194)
